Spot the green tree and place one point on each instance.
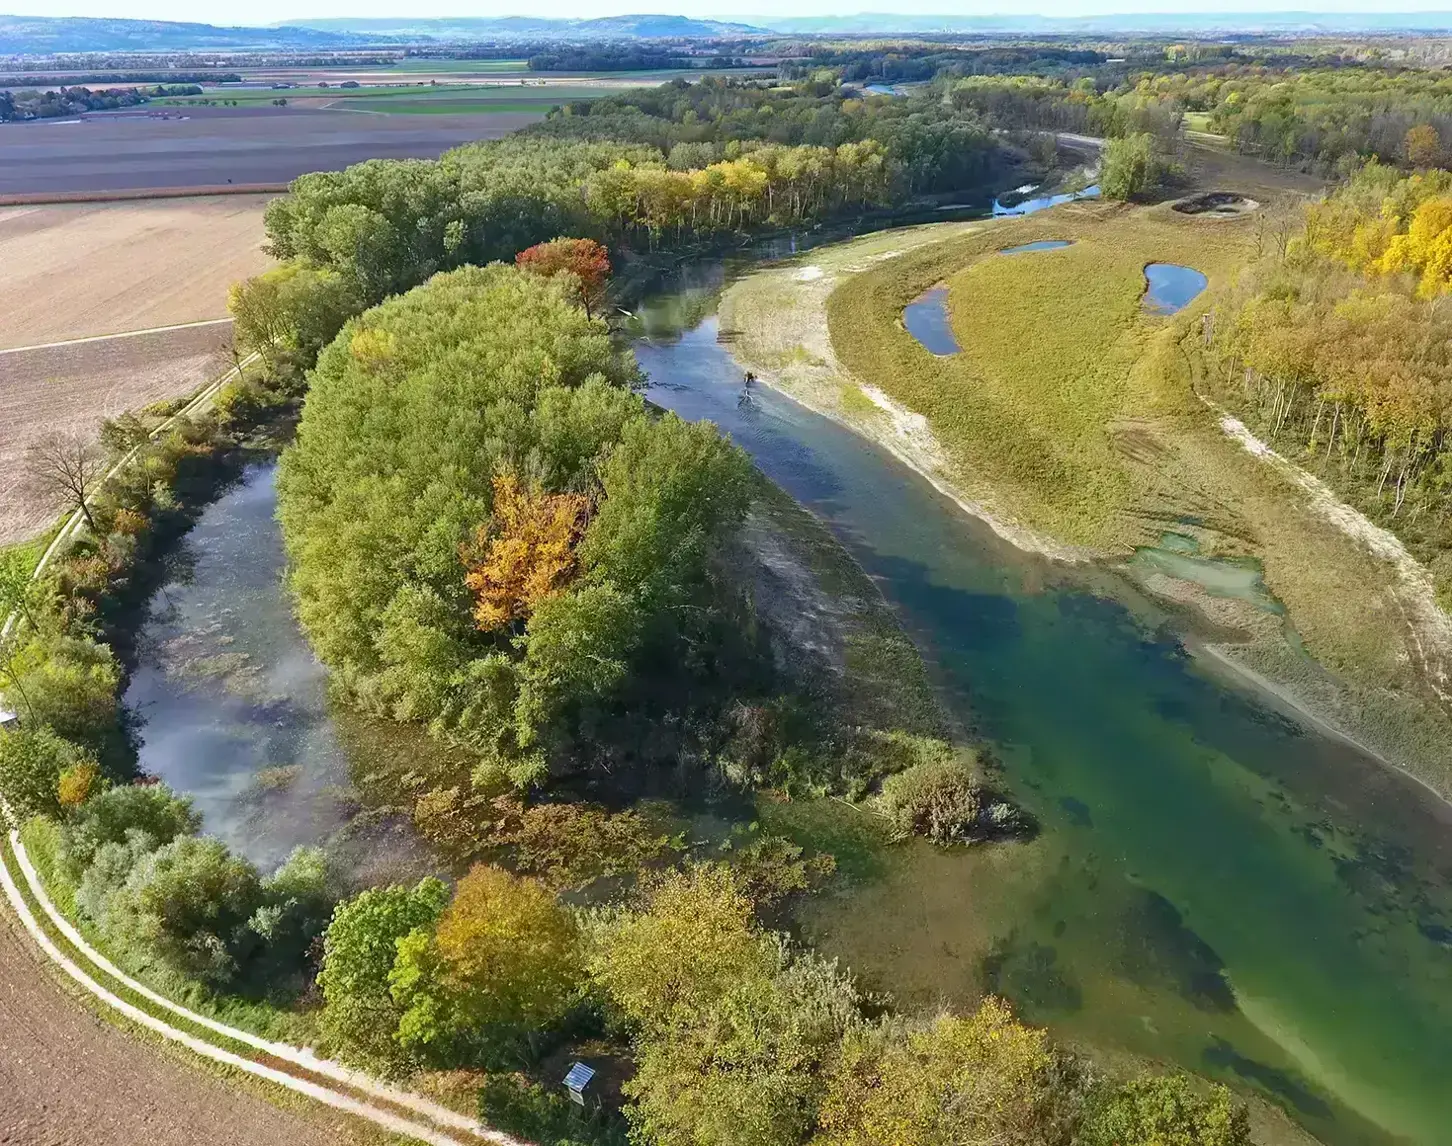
(693, 943)
(502, 963)
(187, 904)
(1130, 167)
(982, 1079)
(107, 817)
(359, 950)
(31, 763)
(1166, 1110)
(288, 314)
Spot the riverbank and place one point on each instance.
(1080, 437)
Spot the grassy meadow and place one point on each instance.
(1060, 362)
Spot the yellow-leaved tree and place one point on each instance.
(525, 554)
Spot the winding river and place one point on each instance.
(1213, 884)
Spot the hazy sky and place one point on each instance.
(272, 11)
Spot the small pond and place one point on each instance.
(926, 319)
(1029, 206)
(1171, 287)
(1040, 245)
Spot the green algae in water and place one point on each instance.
(1234, 578)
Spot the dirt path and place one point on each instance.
(67, 1078)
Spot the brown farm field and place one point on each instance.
(72, 387)
(162, 148)
(77, 270)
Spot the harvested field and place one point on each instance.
(67, 1079)
(207, 146)
(79, 269)
(72, 387)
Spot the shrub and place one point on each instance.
(939, 799)
(77, 783)
(1166, 1111)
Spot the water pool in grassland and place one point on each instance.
(1038, 245)
(926, 319)
(1214, 885)
(1170, 287)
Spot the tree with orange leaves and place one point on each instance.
(525, 554)
(586, 259)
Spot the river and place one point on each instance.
(1213, 885)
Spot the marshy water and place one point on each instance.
(1171, 287)
(1213, 885)
(234, 707)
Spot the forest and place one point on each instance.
(1340, 351)
(682, 164)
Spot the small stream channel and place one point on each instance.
(1213, 886)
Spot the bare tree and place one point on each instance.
(66, 468)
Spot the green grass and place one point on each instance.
(1057, 351)
(446, 107)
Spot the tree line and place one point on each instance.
(34, 104)
(1340, 351)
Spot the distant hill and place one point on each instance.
(505, 27)
(1150, 23)
(45, 35)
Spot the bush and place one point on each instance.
(187, 904)
(107, 818)
(1132, 167)
(71, 685)
(1166, 1111)
(32, 761)
(297, 900)
(940, 799)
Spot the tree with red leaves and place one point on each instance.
(586, 259)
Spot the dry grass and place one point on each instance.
(72, 270)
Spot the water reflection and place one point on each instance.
(926, 319)
(1171, 287)
(234, 704)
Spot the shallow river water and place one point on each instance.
(1213, 885)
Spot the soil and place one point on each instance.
(1216, 204)
(76, 270)
(73, 387)
(204, 146)
(68, 1079)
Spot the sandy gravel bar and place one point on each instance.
(68, 1079)
(71, 270)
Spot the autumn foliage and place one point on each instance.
(525, 554)
(586, 259)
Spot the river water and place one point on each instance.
(1213, 885)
